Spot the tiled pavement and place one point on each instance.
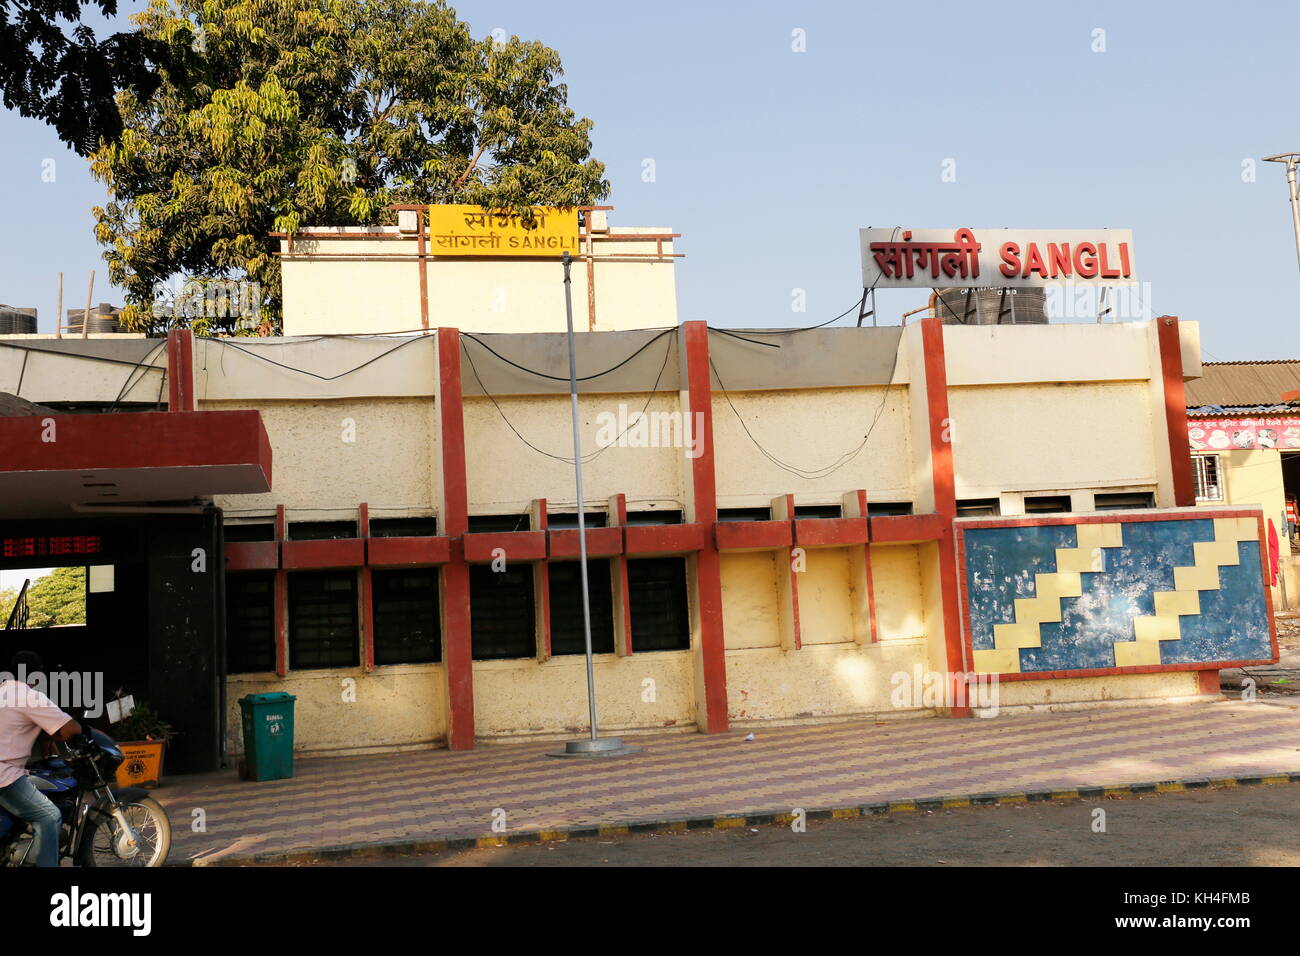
(429, 798)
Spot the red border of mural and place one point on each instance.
(1182, 514)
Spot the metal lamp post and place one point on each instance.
(1290, 159)
(593, 745)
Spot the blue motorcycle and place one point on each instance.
(103, 825)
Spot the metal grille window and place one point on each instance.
(973, 507)
(654, 516)
(661, 619)
(1205, 472)
(569, 519)
(1046, 504)
(257, 531)
(323, 620)
(321, 530)
(250, 622)
(744, 514)
(488, 524)
(818, 511)
(1119, 500)
(403, 527)
(566, 607)
(407, 629)
(501, 612)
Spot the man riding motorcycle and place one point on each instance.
(26, 714)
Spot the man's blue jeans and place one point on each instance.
(24, 801)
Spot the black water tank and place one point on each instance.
(16, 321)
(102, 319)
(992, 306)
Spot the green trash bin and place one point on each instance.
(268, 736)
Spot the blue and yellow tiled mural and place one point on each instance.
(1164, 591)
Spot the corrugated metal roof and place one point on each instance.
(1229, 411)
(1244, 383)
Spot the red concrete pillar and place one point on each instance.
(945, 503)
(708, 565)
(458, 656)
(542, 583)
(281, 597)
(1180, 453)
(619, 583)
(367, 592)
(180, 370)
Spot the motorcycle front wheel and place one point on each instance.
(105, 844)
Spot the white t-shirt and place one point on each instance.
(24, 713)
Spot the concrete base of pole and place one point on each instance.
(600, 747)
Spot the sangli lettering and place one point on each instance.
(1086, 260)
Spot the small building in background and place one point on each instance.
(1243, 421)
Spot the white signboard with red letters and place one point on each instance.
(901, 258)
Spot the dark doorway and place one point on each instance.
(152, 619)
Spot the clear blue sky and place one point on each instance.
(768, 160)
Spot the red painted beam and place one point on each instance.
(329, 553)
(407, 552)
(708, 563)
(138, 440)
(830, 532)
(601, 543)
(908, 529)
(653, 539)
(458, 650)
(517, 546)
(753, 535)
(1171, 368)
(252, 555)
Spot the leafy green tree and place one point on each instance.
(7, 598)
(274, 114)
(58, 598)
(65, 75)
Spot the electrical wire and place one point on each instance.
(770, 345)
(145, 363)
(72, 355)
(668, 351)
(820, 325)
(565, 378)
(823, 472)
(807, 328)
(302, 371)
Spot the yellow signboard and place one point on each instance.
(475, 231)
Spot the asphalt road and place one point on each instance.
(1248, 826)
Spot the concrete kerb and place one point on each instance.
(735, 821)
